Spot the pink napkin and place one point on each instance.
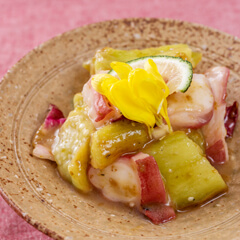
(25, 24)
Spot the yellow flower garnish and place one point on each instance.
(140, 94)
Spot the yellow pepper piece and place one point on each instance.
(78, 100)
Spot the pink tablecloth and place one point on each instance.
(25, 24)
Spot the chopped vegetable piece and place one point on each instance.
(214, 131)
(197, 136)
(78, 100)
(44, 137)
(152, 188)
(77, 168)
(189, 177)
(111, 141)
(71, 149)
(104, 57)
(231, 118)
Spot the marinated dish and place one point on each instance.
(145, 130)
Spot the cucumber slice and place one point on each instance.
(176, 72)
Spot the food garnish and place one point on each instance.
(139, 94)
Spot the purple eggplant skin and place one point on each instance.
(231, 118)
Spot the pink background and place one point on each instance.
(25, 24)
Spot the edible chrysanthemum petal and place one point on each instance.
(102, 82)
(132, 107)
(122, 69)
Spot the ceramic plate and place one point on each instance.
(53, 73)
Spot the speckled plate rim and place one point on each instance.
(5, 195)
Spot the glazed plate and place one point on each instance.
(53, 73)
